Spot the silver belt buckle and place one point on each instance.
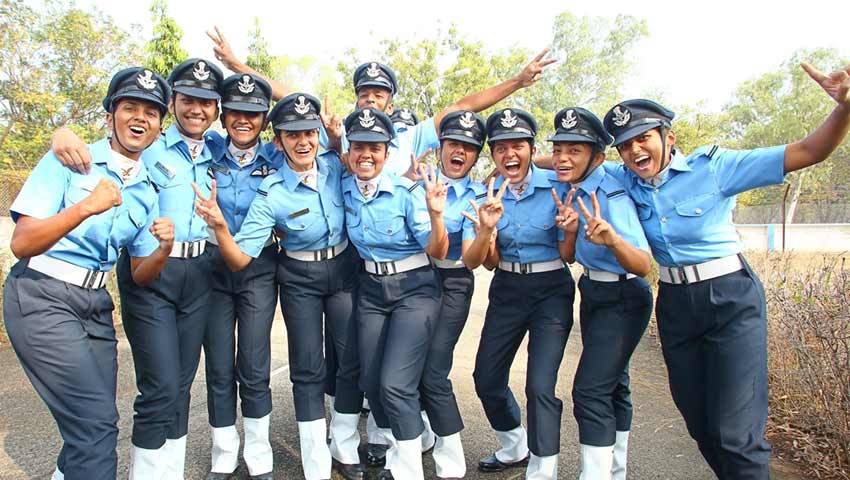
(683, 277)
(384, 268)
(321, 254)
(523, 268)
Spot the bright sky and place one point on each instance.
(696, 51)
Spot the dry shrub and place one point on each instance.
(808, 298)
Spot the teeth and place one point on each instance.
(138, 130)
(512, 164)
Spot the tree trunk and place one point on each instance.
(795, 196)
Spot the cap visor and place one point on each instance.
(572, 137)
(375, 83)
(634, 132)
(244, 107)
(198, 92)
(461, 138)
(142, 96)
(298, 125)
(509, 136)
(368, 137)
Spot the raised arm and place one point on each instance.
(566, 220)
(34, 236)
(818, 145)
(207, 209)
(225, 55)
(487, 98)
(435, 198)
(600, 232)
(482, 250)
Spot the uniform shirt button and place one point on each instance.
(663, 219)
(366, 229)
(698, 211)
(655, 191)
(669, 244)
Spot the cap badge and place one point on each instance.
(508, 119)
(366, 119)
(301, 105)
(405, 114)
(621, 116)
(200, 72)
(247, 85)
(373, 70)
(569, 120)
(467, 121)
(146, 80)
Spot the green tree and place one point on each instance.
(55, 66)
(164, 51)
(784, 106)
(258, 51)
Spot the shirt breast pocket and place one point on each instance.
(698, 206)
(644, 212)
(388, 230)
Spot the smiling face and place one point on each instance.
(300, 147)
(193, 115)
(367, 159)
(512, 158)
(135, 125)
(457, 158)
(643, 154)
(570, 160)
(375, 97)
(243, 128)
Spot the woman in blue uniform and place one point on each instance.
(530, 293)
(165, 321)
(393, 222)
(317, 273)
(711, 305)
(243, 301)
(69, 228)
(616, 301)
(462, 136)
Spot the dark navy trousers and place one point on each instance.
(714, 339)
(165, 324)
(438, 398)
(396, 315)
(540, 304)
(613, 317)
(318, 297)
(242, 302)
(64, 338)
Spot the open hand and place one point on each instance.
(567, 217)
(207, 208)
(597, 230)
(435, 191)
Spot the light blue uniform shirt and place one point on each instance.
(94, 243)
(526, 231)
(618, 210)
(311, 220)
(457, 201)
(237, 185)
(171, 167)
(391, 225)
(414, 140)
(688, 218)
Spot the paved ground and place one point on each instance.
(660, 449)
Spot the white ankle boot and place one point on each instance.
(621, 451)
(448, 457)
(345, 439)
(542, 468)
(258, 450)
(315, 455)
(145, 463)
(225, 449)
(596, 462)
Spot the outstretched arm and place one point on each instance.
(818, 145)
(487, 98)
(225, 55)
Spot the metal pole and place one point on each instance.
(784, 197)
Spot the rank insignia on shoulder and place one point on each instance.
(711, 152)
(262, 192)
(413, 187)
(299, 213)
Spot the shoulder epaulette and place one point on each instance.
(413, 187)
(711, 152)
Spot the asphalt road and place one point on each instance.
(660, 447)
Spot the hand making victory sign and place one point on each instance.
(597, 229)
(567, 217)
(532, 72)
(207, 208)
(490, 212)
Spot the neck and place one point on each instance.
(193, 136)
(244, 146)
(116, 146)
(300, 168)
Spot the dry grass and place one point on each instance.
(808, 299)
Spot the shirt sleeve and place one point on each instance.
(741, 170)
(145, 243)
(416, 216)
(622, 215)
(258, 225)
(420, 137)
(43, 194)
